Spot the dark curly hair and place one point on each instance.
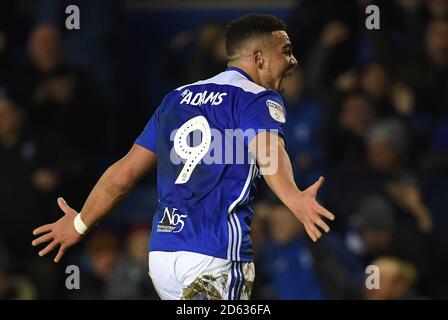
(249, 26)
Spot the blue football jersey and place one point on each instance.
(205, 187)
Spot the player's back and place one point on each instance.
(205, 176)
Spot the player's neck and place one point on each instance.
(251, 72)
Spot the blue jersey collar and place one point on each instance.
(241, 71)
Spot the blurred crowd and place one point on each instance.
(367, 109)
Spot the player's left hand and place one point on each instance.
(306, 208)
(61, 233)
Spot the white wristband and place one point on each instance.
(80, 226)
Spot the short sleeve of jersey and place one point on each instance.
(148, 137)
(265, 112)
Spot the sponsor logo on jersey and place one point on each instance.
(276, 111)
(200, 98)
(171, 221)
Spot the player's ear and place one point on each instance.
(257, 58)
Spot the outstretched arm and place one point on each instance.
(115, 183)
(275, 166)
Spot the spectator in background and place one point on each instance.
(262, 288)
(101, 256)
(410, 20)
(16, 287)
(397, 280)
(348, 128)
(129, 279)
(32, 168)
(426, 74)
(208, 55)
(419, 95)
(377, 229)
(374, 228)
(375, 82)
(326, 30)
(287, 260)
(387, 173)
(386, 167)
(297, 269)
(304, 131)
(96, 46)
(29, 170)
(372, 80)
(58, 96)
(13, 287)
(322, 86)
(96, 54)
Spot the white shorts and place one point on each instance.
(186, 275)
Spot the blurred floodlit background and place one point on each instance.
(368, 109)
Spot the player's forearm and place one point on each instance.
(275, 166)
(107, 194)
(282, 181)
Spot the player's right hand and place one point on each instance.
(61, 233)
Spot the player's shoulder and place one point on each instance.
(236, 83)
(249, 87)
(269, 100)
(168, 99)
(270, 94)
(230, 78)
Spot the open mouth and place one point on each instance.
(287, 74)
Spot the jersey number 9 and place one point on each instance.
(192, 155)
